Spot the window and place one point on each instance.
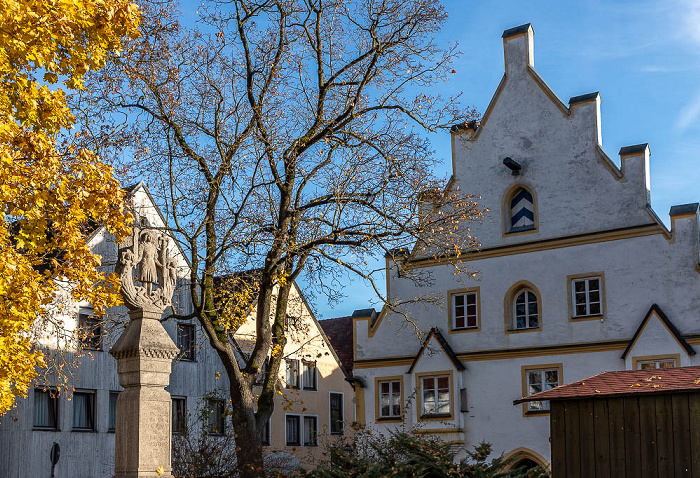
(308, 375)
(292, 430)
(525, 311)
(522, 211)
(337, 420)
(45, 409)
(216, 418)
(310, 427)
(586, 297)
(435, 393)
(266, 434)
(464, 311)
(538, 380)
(84, 410)
(390, 399)
(180, 415)
(112, 426)
(89, 332)
(186, 341)
(292, 374)
(655, 362)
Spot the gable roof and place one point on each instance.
(656, 310)
(624, 383)
(339, 333)
(435, 332)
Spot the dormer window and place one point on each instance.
(521, 211)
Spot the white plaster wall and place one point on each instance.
(575, 193)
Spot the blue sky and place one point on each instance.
(643, 56)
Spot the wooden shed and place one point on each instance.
(634, 424)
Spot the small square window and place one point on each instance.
(292, 374)
(308, 375)
(216, 423)
(84, 410)
(45, 409)
(292, 437)
(180, 415)
(113, 396)
(186, 341)
(465, 314)
(586, 297)
(336, 406)
(89, 332)
(310, 428)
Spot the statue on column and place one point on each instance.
(155, 271)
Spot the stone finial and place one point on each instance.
(155, 271)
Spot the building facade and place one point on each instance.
(576, 275)
(317, 399)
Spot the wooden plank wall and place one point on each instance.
(648, 436)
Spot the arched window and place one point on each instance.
(522, 211)
(525, 310)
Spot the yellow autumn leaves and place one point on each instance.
(51, 194)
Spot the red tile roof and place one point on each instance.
(628, 382)
(339, 332)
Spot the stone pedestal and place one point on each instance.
(144, 354)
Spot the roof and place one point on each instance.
(635, 149)
(655, 309)
(339, 333)
(516, 30)
(691, 208)
(435, 332)
(624, 383)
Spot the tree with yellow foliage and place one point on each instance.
(50, 191)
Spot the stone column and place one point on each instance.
(144, 354)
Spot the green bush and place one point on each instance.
(407, 455)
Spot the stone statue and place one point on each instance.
(148, 254)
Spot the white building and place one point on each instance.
(576, 275)
(313, 410)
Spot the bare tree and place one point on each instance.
(288, 136)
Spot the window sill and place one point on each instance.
(587, 317)
(536, 412)
(309, 389)
(337, 433)
(526, 329)
(83, 430)
(518, 230)
(292, 444)
(45, 429)
(390, 419)
(432, 416)
(465, 329)
(291, 387)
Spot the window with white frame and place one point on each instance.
(310, 430)
(308, 375)
(537, 381)
(435, 394)
(46, 409)
(292, 373)
(292, 430)
(84, 410)
(464, 310)
(586, 297)
(389, 399)
(525, 310)
(336, 412)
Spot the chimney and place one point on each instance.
(518, 49)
